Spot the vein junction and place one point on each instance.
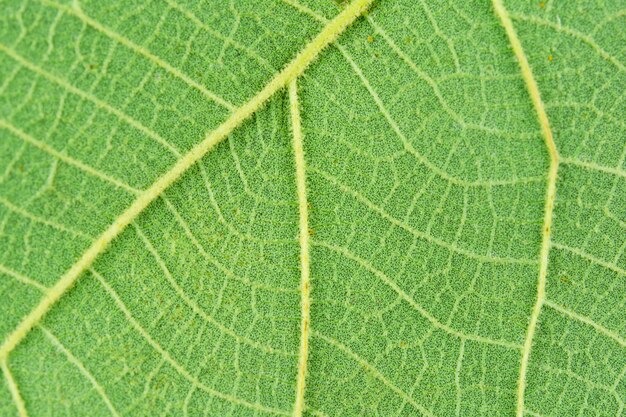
(295, 68)
(533, 90)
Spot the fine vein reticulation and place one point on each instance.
(533, 90)
(326, 36)
(288, 78)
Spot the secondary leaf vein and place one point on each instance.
(303, 231)
(375, 372)
(578, 317)
(87, 96)
(79, 365)
(14, 389)
(406, 297)
(76, 11)
(421, 235)
(177, 366)
(195, 307)
(550, 196)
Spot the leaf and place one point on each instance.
(312, 208)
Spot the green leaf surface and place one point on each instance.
(312, 208)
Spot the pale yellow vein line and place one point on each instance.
(23, 279)
(243, 235)
(22, 212)
(80, 14)
(532, 413)
(393, 124)
(87, 96)
(189, 15)
(195, 307)
(573, 315)
(590, 383)
(375, 372)
(574, 33)
(175, 364)
(437, 92)
(317, 413)
(408, 146)
(15, 392)
(76, 362)
(619, 378)
(64, 158)
(305, 10)
(421, 235)
(593, 166)
(590, 258)
(305, 285)
(292, 70)
(230, 274)
(533, 90)
(365, 264)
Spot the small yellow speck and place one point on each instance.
(370, 39)
(542, 4)
(311, 232)
(550, 58)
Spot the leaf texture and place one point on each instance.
(318, 208)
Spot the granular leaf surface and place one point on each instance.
(312, 208)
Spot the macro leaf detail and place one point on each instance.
(312, 208)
